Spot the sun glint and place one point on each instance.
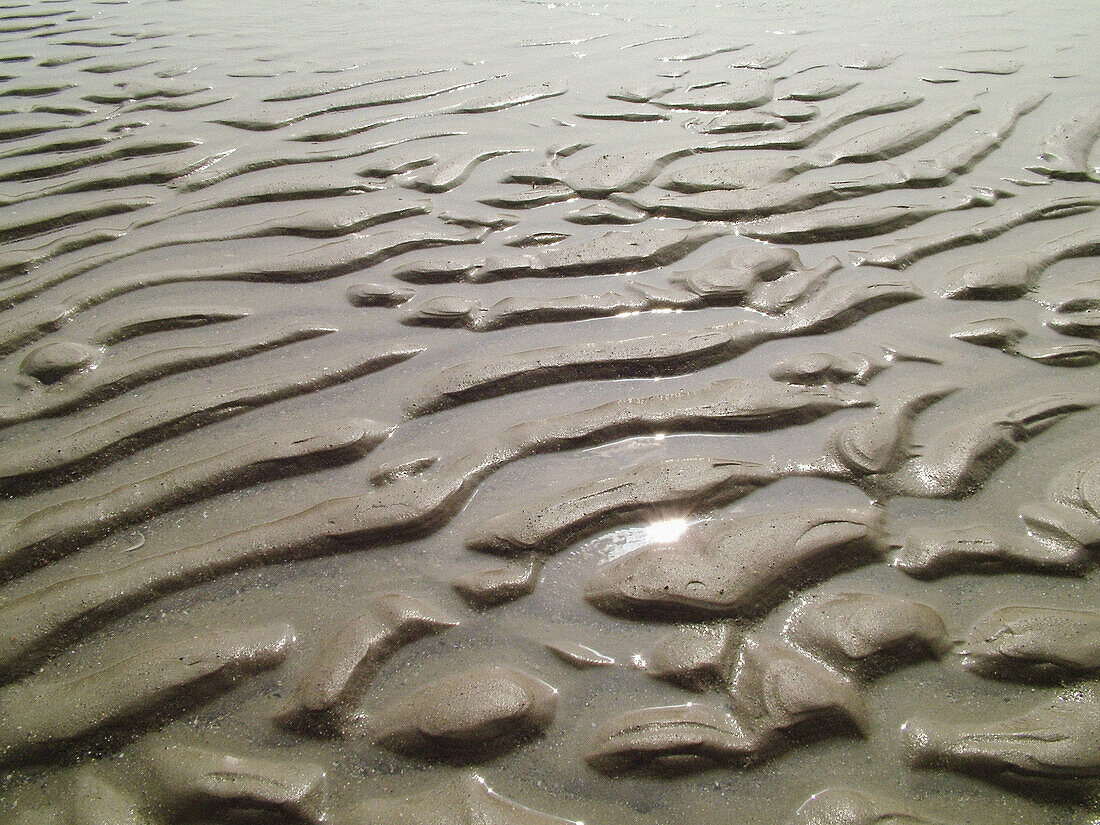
(667, 530)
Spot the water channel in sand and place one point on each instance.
(524, 412)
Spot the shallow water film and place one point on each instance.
(504, 412)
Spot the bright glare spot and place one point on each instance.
(667, 530)
(659, 436)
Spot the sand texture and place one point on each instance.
(512, 412)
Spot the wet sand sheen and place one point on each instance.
(592, 417)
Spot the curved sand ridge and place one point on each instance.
(551, 423)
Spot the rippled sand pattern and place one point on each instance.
(515, 413)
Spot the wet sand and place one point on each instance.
(520, 412)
